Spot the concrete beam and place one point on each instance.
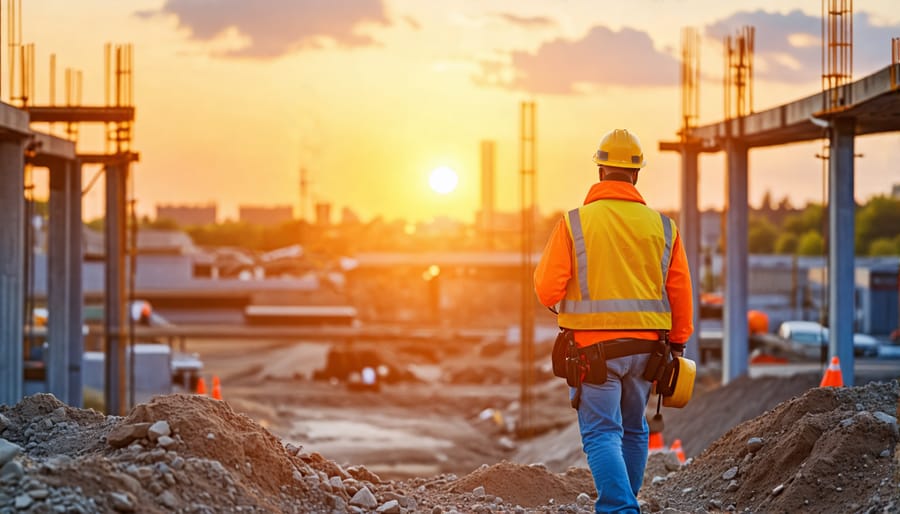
(80, 114)
(47, 151)
(735, 356)
(75, 288)
(875, 105)
(13, 122)
(841, 247)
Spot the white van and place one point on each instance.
(807, 338)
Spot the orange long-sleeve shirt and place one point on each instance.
(555, 270)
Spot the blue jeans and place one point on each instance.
(614, 433)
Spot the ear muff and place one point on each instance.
(677, 382)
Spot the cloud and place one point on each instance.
(527, 22)
(276, 27)
(602, 57)
(787, 47)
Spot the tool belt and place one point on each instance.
(588, 365)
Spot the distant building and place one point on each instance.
(348, 216)
(895, 191)
(263, 215)
(187, 215)
(323, 214)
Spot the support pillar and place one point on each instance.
(735, 346)
(689, 229)
(58, 270)
(841, 251)
(76, 292)
(114, 300)
(12, 268)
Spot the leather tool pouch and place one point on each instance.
(564, 340)
(596, 364)
(656, 363)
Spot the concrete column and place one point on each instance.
(58, 294)
(12, 269)
(841, 252)
(76, 293)
(735, 355)
(689, 228)
(114, 299)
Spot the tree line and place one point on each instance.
(804, 231)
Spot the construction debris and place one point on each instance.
(831, 450)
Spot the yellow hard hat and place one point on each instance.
(621, 149)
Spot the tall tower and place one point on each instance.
(487, 191)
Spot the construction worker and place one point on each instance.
(620, 277)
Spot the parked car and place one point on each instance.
(890, 349)
(865, 345)
(806, 338)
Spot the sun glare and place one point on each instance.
(443, 180)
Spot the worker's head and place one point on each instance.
(619, 156)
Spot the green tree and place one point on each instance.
(883, 247)
(786, 243)
(811, 243)
(811, 218)
(877, 219)
(761, 235)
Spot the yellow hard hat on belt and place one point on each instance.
(621, 149)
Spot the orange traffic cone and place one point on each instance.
(832, 376)
(216, 388)
(676, 447)
(201, 386)
(656, 442)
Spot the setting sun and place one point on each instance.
(443, 180)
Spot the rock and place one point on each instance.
(158, 429)
(885, 453)
(885, 418)
(583, 499)
(478, 492)
(167, 498)
(732, 486)
(847, 422)
(177, 462)
(166, 442)
(778, 490)
(364, 498)
(121, 502)
(754, 444)
(671, 462)
(210, 436)
(714, 504)
(730, 474)
(23, 501)
(390, 507)
(506, 443)
(4, 422)
(12, 469)
(336, 483)
(8, 451)
(58, 415)
(123, 435)
(656, 480)
(39, 494)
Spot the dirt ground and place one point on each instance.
(439, 436)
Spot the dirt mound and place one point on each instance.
(830, 450)
(178, 452)
(714, 411)
(528, 486)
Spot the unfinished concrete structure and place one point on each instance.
(870, 105)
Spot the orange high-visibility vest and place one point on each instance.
(621, 256)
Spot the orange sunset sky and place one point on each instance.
(233, 96)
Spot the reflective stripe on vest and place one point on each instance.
(614, 313)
